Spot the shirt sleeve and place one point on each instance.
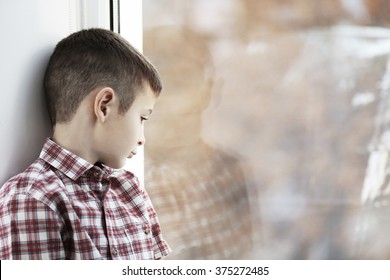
(160, 246)
(29, 230)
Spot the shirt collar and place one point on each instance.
(63, 160)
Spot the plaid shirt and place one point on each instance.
(62, 207)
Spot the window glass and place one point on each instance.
(270, 138)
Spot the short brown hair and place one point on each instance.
(94, 58)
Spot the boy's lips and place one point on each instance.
(132, 153)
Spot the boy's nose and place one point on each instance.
(141, 140)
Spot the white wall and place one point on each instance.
(29, 31)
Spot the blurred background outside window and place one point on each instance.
(270, 139)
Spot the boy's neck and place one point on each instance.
(76, 138)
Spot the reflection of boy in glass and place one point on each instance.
(200, 192)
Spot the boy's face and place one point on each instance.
(125, 132)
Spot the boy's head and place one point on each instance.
(91, 59)
(99, 90)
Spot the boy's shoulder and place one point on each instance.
(37, 180)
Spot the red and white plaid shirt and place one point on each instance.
(62, 207)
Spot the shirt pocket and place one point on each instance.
(138, 241)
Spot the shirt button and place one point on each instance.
(114, 252)
(97, 173)
(147, 230)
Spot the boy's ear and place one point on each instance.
(104, 103)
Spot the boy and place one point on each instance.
(74, 202)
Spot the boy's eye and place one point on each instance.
(143, 119)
